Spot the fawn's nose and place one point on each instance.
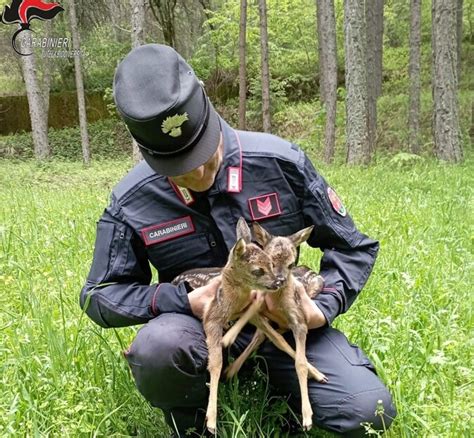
(279, 282)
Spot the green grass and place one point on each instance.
(63, 376)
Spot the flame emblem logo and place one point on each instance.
(23, 11)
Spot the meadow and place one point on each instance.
(61, 375)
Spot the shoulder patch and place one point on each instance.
(336, 203)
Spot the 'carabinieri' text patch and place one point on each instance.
(167, 230)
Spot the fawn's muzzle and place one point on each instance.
(278, 283)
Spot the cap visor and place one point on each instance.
(181, 164)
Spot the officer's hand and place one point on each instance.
(313, 314)
(198, 298)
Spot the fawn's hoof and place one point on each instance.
(317, 375)
(307, 425)
(211, 427)
(230, 372)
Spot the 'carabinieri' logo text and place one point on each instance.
(23, 11)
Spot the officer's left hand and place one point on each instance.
(201, 296)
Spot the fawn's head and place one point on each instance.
(250, 264)
(281, 249)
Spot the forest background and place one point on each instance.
(63, 376)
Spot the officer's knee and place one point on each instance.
(373, 408)
(168, 361)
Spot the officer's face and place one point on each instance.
(202, 178)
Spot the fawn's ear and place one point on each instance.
(301, 236)
(262, 236)
(243, 230)
(239, 248)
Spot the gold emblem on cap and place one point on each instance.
(172, 124)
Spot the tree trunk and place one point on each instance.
(76, 44)
(321, 54)
(374, 25)
(459, 16)
(47, 69)
(328, 71)
(379, 26)
(267, 125)
(371, 75)
(38, 115)
(138, 38)
(358, 151)
(242, 64)
(445, 112)
(164, 12)
(414, 78)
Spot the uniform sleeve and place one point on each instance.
(348, 255)
(117, 292)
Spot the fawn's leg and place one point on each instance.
(235, 366)
(214, 335)
(233, 332)
(299, 332)
(280, 342)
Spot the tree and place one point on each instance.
(36, 103)
(262, 7)
(444, 81)
(374, 26)
(355, 41)
(165, 13)
(326, 22)
(414, 76)
(138, 38)
(81, 101)
(459, 14)
(242, 64)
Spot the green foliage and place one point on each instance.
(61, 375)
(405, 159)
(102, 54)
(108, 139)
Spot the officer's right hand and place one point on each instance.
(200, 297)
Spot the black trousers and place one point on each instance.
(168, 359)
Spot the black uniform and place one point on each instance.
(262, 178)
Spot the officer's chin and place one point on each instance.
(202, 185)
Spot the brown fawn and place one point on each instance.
(249, 268)
(283, 252)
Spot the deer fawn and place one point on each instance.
(251, 268)
(283, 251)
(248, 268)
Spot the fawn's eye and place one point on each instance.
(258, 272)
(291, 266)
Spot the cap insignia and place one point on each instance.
(172, 124)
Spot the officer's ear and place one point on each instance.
(262, 236)
(239, 248)
(243, 231)
(301, 236)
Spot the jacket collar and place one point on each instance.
(229, 176)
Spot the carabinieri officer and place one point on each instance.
(178, 210)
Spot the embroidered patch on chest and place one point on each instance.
(264, 206)
(336, 203)
(167, 230)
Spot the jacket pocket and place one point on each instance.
(176, 256)
(352, 353)
(283, 225)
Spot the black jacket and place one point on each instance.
(262, 177)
